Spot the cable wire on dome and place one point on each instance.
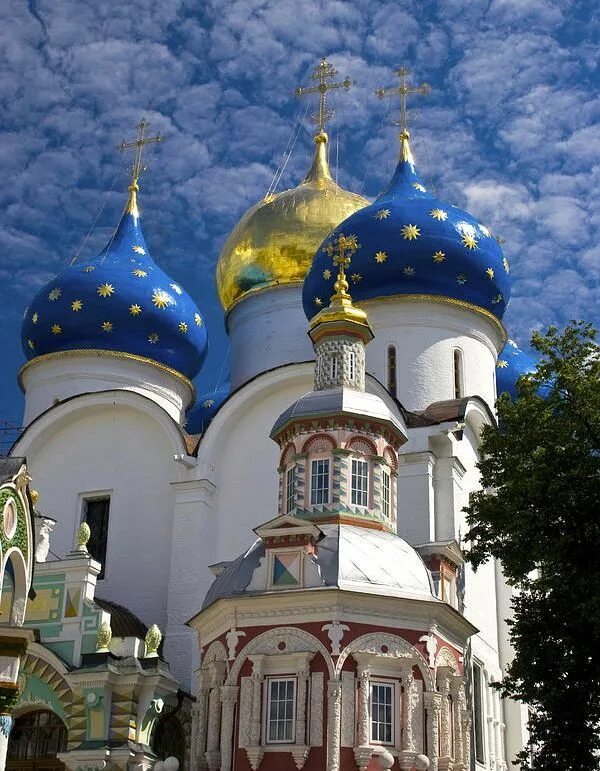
(95, 220)
(370, 164)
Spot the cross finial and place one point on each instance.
(139, 144)
(403, 90)
(323, 73)
(342, 249)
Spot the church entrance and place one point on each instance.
(35, 740)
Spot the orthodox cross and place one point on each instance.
(139, 145)
(342, 250)
(323, 73)
(403, 90)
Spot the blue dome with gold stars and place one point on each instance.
(410, 243)
(118, 301)
(511, 365)
(206, 407)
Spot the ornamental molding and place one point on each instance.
(276, 642)
(445, 658)
(215, 652)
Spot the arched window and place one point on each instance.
(169, 740)
(459, 387)
(35, 741)
(392, 384)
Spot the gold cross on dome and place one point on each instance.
(403, 90)
(139, 145)
(323, 73)
(342, 250)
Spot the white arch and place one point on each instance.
(445, 658)
(215, 652)
(397, 646)
(297, 641)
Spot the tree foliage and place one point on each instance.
(539, 513)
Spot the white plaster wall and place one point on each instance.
(123, 445)
(267, 330)
(51, 379)
(425, 334)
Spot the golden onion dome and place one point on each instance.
(275, 241)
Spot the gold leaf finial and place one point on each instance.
(137, 168)
(402, 91)
(83, 536)
(153, 640)
(103, 637)
(323, 73)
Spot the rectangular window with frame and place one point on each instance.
(334, 367)
(478, 716)
(386, 497)
(95, 513)
(351, 365)
(290, 489)
(382, 713)
(360, 483)
(281, 709)
(319, 481)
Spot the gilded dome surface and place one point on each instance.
(275, 241)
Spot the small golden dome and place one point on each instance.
(275, 241)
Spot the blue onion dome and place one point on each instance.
(206, 407)
(512, 364)
(411, 243)
(118, 301)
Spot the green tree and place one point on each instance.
(539, 514)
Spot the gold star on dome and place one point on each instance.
(56, 329)
(327, 274)
(382, 214)
(506, 265)
(107, 326)
(176, 288)
(490, 273)
(139, 273)
(439, 214)
(76, 305)
(355, 278)
(461, 279)
(410, 232)
(502, 364)
(35, 318)
(439, 256)
(198, 319)
(89, 268)
(318, 302)
(31, 344)
(54, 294)
(409, 271)
(138, 249)
(105, 290)
(135, 309)
(183, 327)
(380, 256)
(153, 337)
(208, 403)
(161, 299)
(497, 299)
(469, 241)
(418, 186)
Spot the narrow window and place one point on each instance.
(95, 513)
(391, 370)
(382, 713)
(281, 703)
(360, 482)
(478, 713)
(334, 367)
(387, 494)
(290, 489)
(319, 481)
(459, 390)
(351, 365)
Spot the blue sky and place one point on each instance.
(510, 132)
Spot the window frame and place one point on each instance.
(86, 499)
(392, 685)
(386, 493)
(366, 476)
(352, 366)
(478, 699)
(290, 473)
(392, 370)
(334, 366)
(324, 489)
(269, 680)
(458, 373)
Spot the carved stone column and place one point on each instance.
(466, 730)
(410, 704)
(214, 716)
(334, 724)
(433, 705)
(198, 742)
(300, 751)
(362, 751)
(457, 689)
(443, 677)
(255, 752)
(229, 695)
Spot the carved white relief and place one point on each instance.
(335, 631)
(334, 718)
(418, 722)
(228, 700)
(431, 645)
(362, 724)
(232, 638)
(316, 709)
(215, 652)
(433, 704)
(246, 687)
(348, 699)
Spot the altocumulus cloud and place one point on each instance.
(510, 131)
